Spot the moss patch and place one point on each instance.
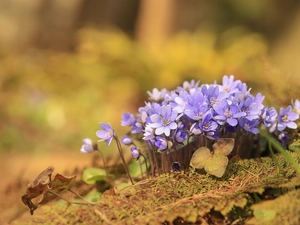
(251, 191)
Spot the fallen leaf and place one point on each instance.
(214, 162)
(44, 185)
(59, 184)
(37, 187)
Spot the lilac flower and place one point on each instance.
(212, 94)
(180, 136)
(251, 108)
(128, 119)
(87, 146)
(161, 143)
(157, 95)
(259, 98)
(137, 128)
(126, 140)
(190, 85)
(195, 129)
(198, 108)
(164, 121)
(229, 85)
(283, 137)
(207, 124)
(296, 106)
(176, 167)
(269, 116)
(148, 133)
(286, 118)
(227, 113)
(249, 125)
(135, 153)
(181, 101)
(107, 134)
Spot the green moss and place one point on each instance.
(192, 197)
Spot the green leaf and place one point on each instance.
(199, 158)
(225, 145)
(93, 196)
(123, 185)
(264, 214)
(135, 169)
(216, 165)
(93, 175)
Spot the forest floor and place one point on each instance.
(17, 170)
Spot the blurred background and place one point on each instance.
(67, 65)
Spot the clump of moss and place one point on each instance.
(193, 197)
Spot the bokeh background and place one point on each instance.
(67, 65)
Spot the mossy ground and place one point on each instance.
(251, 192)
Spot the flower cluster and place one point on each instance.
(194, 115)
(210, 110)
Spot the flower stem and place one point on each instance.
(103, 160)
(122, 157)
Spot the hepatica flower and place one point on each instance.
(135, 153)
(87, 146)
(229, 85)
(164, 120)
(161, 143)
(249, 125)
(157, 95)
(296, 106)
(126, 140)
(209, 126)
(128, 119)
(180, 136)
(194, 116)
(107, 134)
(227, 113)
(269, 116)
(286, 118)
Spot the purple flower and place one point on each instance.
(251, 108)
(180, 136)
(229, 85)
(296, 106)
(137, 128)
(176, 167)
(259, 98)
(135, 153)
(212, 94)
(209, 126)
(107, 134)
(195, 129)
(157, 95)
(198, 108)
(87, 146)
(227, 113)
(269, 116)
(187, 86)
(164, 121)
(128, 119)
(161, 143)
(126, 140)
(181, 101)
(148, 133)
(283, 137)
(286, 118)
(249, 125)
